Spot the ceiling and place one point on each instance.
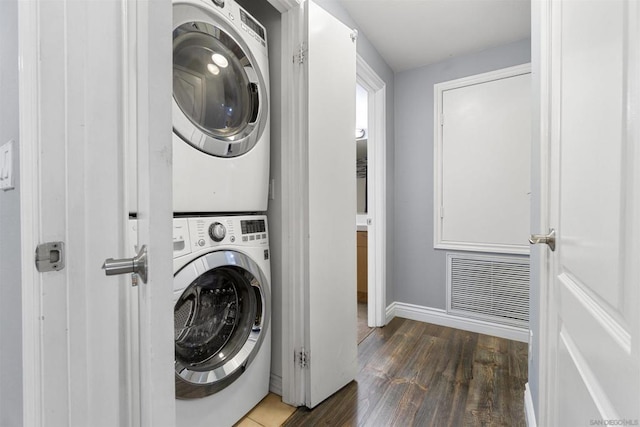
(413, 33)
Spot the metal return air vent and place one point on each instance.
(493, 289)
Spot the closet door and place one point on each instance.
(332, 341)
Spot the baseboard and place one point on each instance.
(390, 313)
(442, 318)
(529, 412)
(275, 384)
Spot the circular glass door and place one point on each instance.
(218, 93)
(219, 321)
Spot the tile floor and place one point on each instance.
(270, 412)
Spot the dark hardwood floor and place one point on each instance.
(419, 374)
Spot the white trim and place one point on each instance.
(29, 95)
(440, 317)
(275, 384)
(294, 206)
(390, 312)
(502, 73)
(438, 89)
(529, 412)
(543, 18)
(377, 166)
(284, 6)
(480, 247)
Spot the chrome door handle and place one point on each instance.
(136, 265)
(548, 239)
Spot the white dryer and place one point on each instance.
(222, 313)
(220, 108)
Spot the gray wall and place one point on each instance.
(420, 270)
(10, 277)
(371, 56)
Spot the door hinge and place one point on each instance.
(441, 211)
(50, 256)
(354, 35)
(301, 358)
(300, 55)
(442, 119)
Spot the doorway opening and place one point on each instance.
(371, 212)
(362, 210)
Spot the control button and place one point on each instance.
(219, 3)
(233, 18)
(217, 232)
(252, 237)
(201, 242)
(258, 237)
(233, 239)
(264, 236)
(245, 238)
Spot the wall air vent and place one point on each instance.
(489, 288)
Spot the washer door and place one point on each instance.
(220, 318)
(219, 96)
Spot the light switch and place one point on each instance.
(6, 166)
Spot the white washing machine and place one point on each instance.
(220, 108)
(221, 316)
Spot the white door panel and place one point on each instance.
(77, 77)
(486, 138)
(332, 194)
(594, 327)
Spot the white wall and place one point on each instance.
(10, 277)
(420, 270)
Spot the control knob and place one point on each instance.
(217, 232)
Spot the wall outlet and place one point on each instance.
(6, 166)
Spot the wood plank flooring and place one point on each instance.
(419, 374)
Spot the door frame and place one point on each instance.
(541, 73)
(376, 186)
(29, 205)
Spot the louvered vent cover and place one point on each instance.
(494, 289)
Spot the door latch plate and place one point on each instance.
(50, 256)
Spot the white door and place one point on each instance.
(592, 371)
(91, 81)
(331, 310)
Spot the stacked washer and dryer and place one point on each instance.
(220, 191)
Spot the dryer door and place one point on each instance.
(221, 318)
(219, 96)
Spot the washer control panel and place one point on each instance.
(253, 229)
(196, 233)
